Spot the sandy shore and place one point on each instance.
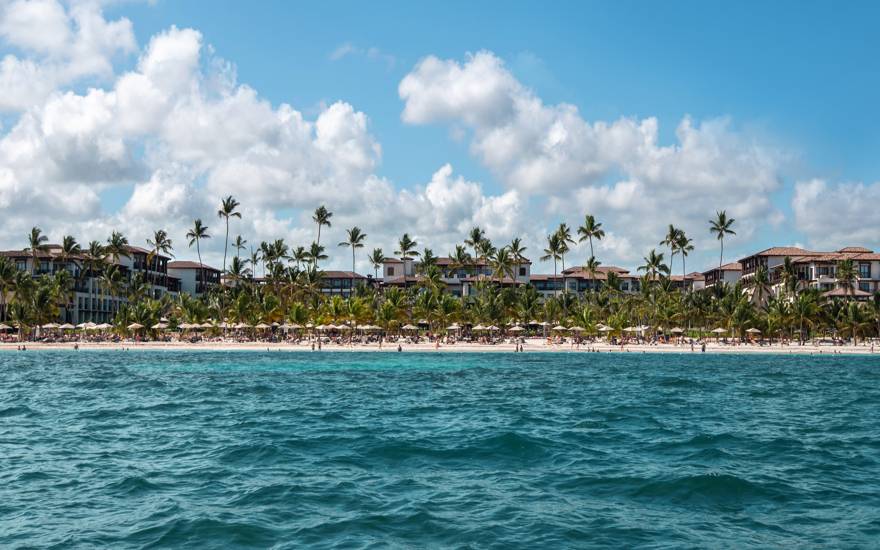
(534, 345)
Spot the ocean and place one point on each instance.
(249, 449)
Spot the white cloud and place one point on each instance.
(618, 171)
(836, 215)
(57, 47)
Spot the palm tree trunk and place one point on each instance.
(591, 247)
(721, 259)
(201, 266)
(226, 246)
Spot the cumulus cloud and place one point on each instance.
(177, 132)
(837, 215)
(56, 47)
(617, 170)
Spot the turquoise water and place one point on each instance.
(289, 450)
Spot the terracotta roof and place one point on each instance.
(786, 251)
(392, 261)
(601, 268)
(342, 275)
(544, 277)
(140, 250)
(842, 292)
(487, 278)
(697, 276)
(855, 249)
(186, 264)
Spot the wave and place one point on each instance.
(711, 488)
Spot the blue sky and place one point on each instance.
(797, 78)
(803, 73)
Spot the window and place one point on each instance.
(865, 286)
(864, 271)
(390, 271)
(522, 271)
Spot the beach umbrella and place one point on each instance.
(160, 326)
(453, 326)
(559, 327)
(409, 327)
(310, 325)
(135, 326)
(516, 328)
(578, 329)
(50, 325)
(343, 327)
(294, 326)
(677, 330)
(5, 327)
(206, 325)
(184, 326)
(65, 326)
(719, 330)
(262, 326)
(631, 329)
(754, 331)
(605, 329)
(242, 325)
(479, 327)
(275, 324)
(492, 327)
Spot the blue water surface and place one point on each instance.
(365, 450)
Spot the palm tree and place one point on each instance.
(789, 275)
(847, 276)
(591, 230)
(671, 240)
(553, 252)
(321, 217)
(591, 267)
(228, 210)
(69, 249)
(195, 235)
(485, 249)
(517, 250)
(355, 239)
(460, 259)
(760, 286)
(406, 247)
(117, 246)
(475, 237)
(316, 254)
(377, 258)
(565, 239)
(239, 244)
(720, 227)
(7, 281)
(502, 264)
(36, 244)
(160, 243)
(300, 256)
(685, 246)
(654, 265)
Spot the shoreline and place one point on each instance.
(529, 347)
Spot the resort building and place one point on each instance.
(460, 280)
(342, 283)
(195, 278)
(727, 274)
(92, 298)
(818, 269)
(576, 280)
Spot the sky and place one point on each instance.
(432, 119)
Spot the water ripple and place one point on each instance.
(259, 450)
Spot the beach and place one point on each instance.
(530, 345)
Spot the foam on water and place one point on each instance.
(255, 450)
